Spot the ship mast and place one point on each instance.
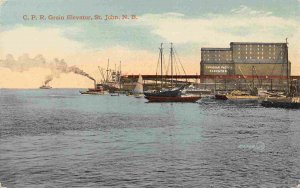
(107, 70)
(161, 64)
(171, 65)
(287, 67)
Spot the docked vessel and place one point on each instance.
(111, 80)
(281, 102)
(236, 95)
(290, 100)
(98, 90)
(181, 98)
(173, 94)
(239, 95)
(198, 91)
(221, 96)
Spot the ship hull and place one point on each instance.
(190, 99)
(283, 102)
(221, 97)
(242, 98)
(269, 104)
(45, 87)
(92, 92)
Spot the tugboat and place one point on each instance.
(169, 95)
(97, 90)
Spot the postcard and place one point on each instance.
(139, 93)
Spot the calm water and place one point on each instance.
(59, 138)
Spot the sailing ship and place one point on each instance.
(253, 94)
(173, 94)
(138, 91)
(291, 99)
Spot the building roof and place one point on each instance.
(257, 43)
(215, 49)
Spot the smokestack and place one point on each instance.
(48, 79)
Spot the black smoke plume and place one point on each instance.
(24, 63)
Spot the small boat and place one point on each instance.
(291, 99)
(181, 98)
(98, 90)
(281, 102)
(220, 96)
(114, 94)
(236, 96)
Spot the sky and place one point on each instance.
(189, 24)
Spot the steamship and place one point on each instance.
(45, 86)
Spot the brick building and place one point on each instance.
(264, 61)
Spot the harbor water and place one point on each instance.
(59, 138)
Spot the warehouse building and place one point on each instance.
(247, 60)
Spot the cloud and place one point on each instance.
(218, 30)
(244, 10)
(2, 2)
(188, 33)
(34, 40)
(242, 25)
